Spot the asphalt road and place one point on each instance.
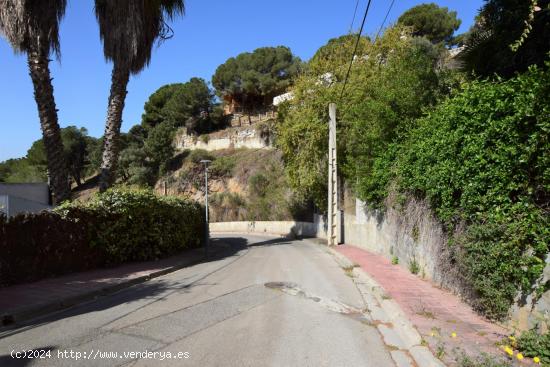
(260, 301)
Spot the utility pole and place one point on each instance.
(332, 233)
(206, 162)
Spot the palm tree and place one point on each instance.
(128, 29)
(32, 27)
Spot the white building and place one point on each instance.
(18, 198)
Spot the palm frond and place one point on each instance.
(31, 23)
(130, 28)
(476, 40)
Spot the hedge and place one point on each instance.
(115, 227)
(482, 158)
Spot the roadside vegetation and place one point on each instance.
(465, 129)
(244, 184)
(416, 122)
(118, 226)
(78, 152)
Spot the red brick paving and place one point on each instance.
(430, 309)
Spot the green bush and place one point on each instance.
(414, 267)
(137, 225)
(198, 155)
(117, 226)
(483, 360)
(482, 158)
(35, 246)
(258, 185)
(533, 344)
(223, 166)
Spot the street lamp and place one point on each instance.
(206, 162)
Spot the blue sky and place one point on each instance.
(210, 32)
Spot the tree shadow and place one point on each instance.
(154, 289)
(22, 359)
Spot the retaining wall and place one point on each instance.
(410, 235)
(282, 228)
(237, 138)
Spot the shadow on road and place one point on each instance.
(22, 358)
(221, 247)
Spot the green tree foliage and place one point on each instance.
(147, 149)
(335, 52)
(77, 146)
(179, 104)
(254, 78)
(158, 145)
(391, 81)
(431, 21)
(498, 43)
(482, 158)
(21, 170)
(119, 226)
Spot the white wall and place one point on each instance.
(247, 138)
(38, 192)
(17, 205)
(282, 228)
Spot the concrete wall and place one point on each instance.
(38, 192)
(410, 233)
(238, 138)
(282, 228)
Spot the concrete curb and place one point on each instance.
(401, 333)
(21, 315)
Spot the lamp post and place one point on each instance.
(206, 162)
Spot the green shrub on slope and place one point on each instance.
(483, 158)
(117, 226)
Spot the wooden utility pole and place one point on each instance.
(332, 233)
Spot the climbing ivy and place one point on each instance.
(482, 158)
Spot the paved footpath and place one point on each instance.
(263, 301)
(436, 313)
(24, 301)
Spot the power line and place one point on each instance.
(384, 22)
(355, 50)
(353, 19)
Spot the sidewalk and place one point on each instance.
(441, 318)
(22, 302)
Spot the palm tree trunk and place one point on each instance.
(119, 82)
(38, 61)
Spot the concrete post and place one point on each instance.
(333, 228)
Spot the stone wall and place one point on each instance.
(13, 205)
(412, 233)
(528, 314)
(236, 138)
(410, 236)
